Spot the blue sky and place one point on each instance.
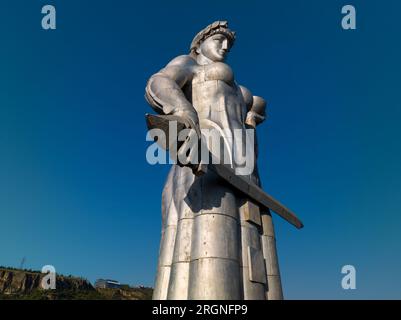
(76, 190)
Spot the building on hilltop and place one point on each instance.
(107, 283)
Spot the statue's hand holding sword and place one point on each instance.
(187, 120)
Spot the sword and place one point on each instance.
(248, 188)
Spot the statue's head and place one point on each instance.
(213, 42)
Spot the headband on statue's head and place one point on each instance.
(220, 27)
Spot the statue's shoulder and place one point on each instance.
(183, 61)
(247, 96)
(181, 69)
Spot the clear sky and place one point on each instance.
(76, 191)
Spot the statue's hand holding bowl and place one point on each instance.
(250, 119)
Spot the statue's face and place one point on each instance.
(215, 47)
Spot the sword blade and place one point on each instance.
(255, 193)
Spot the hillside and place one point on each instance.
(25, 285)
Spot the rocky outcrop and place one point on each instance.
(23, 282)
(16, 284)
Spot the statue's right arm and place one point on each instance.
(164, 89)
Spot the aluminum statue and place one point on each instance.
(217, 238)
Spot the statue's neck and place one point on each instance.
(203, 60)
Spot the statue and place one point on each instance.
(217, 233)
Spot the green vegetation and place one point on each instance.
(39, 294)
(2, 268)
(68, 288)
(98, 294)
